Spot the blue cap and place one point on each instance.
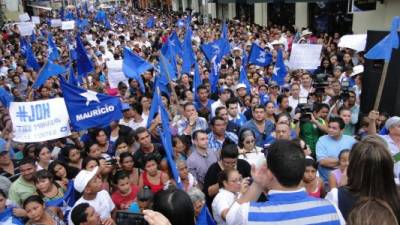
(125, 106)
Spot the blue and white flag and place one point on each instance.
(259, 56)
(52, 48)
(151, 22)
(30, 57)
(280, 69)
(205, 217)
(88, 109)
(50, 69)
(218, 48)
(188, 54)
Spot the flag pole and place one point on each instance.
(169, 78)
(381, 85)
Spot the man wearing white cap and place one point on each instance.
(89, 184)
(392, 139)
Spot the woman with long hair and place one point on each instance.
(369, 175)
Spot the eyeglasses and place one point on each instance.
(249, 141)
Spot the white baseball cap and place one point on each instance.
(83, 178)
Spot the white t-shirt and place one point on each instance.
(223, 200)
(102, 204)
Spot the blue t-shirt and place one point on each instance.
(327, 147)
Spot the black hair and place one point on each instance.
(187, 104)
(224, 176)
(119, 175)
(148, 158)
(88, 145)
(66, 150)
(124, 155)
(27, 160)
(43, 174)
(38, 149)
(176, 205)
(343, 152)
(337, 120)
(201, 87)
(229, 151)
(231, 101)
(120, 140)
(311, 162)
(319, 106)
(214, 120)
(2, 193)
(78, 214)
(259, 106)
(87, 159)
(280, 98)
(197, 132)
(219, 109)
(139, 131)
(33, 198)
(137, 107)
(286, 161)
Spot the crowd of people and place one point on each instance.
(263, 152)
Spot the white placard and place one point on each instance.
(115, 74)
(39, 120)
(68, 25)
(26, 28)
(55, 23)
(35, 19)
(355, 41)
(305, 56)
(24, 17)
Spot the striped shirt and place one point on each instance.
(215, 145)
(286, 207)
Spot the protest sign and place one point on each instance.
(56, 23)
(68, 25)
(39, 120)
(26, 28)
(24, 17)
(305, 56)
(35, 19)
(115, 74)
(355, 41)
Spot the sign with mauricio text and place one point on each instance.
(39, 120)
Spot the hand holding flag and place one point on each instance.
(259, 56)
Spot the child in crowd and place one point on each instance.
(145, 199)
(152, 176)
(313, 184)
(338, 177)
(125, 193)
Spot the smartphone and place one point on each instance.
(129, 218)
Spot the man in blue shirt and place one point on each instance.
(329, 146)
(261, 127)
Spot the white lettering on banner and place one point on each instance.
(305, 56)
(95, 112)
(39, 120)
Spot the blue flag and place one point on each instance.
(100, 16)
(167, 72)
(107, 24)
(180, 23)
(150, 22)
(154, 107)
(120, 19)
(196, 81)
(52, 48)
(213, 76)
(383, 49)
(69, 16)
(175, 44)
(26, 50)
(84, 65)
(259, 56)
(23, 46)
(133, 66)
(61, 13)
(86, 8)
(243, 78)
(88, 109)
(33, 36)
(188, 54)
(7, 217)
(50, 69)
(5, 97)
(205, 217)
(218, 49)
(71, 78)
(81, 24)
(166, 139)
(280, 69)
(168, 52)
(224, 33)
(245, 58)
